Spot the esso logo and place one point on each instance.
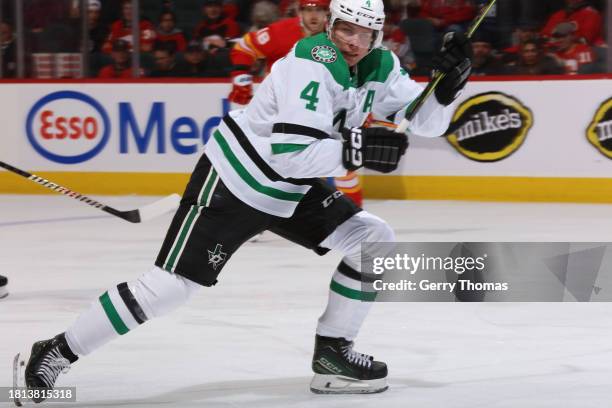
(68, 127)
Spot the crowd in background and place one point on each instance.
(192, 38)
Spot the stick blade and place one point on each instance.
(18, 378)
(158, 208)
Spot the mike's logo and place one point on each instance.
(599, 132)
(68, 127)
(490, 126)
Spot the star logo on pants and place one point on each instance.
(216, 257)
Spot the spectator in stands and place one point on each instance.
(289, 8)
(122, 29)
(395, 11)
(215, 27)
(167, 32)
(573, 54)
(534, 61)
(39, 14)
(7, 45)
(165, 61)
(198, 63)
(264, 13)
(448, 15)
(588, 22)
(122, 62)
(51, 26)
(98, 32)
(398, 42)
(484, 61)
(523, 33)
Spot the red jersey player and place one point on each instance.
(272, 43)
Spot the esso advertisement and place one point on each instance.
(68, 127)
(125, 129)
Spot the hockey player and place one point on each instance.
(274, 42)
(271, 43)
(3, 287)
(261, 171)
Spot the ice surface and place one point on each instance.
(248, 341)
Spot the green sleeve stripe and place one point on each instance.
(248, 178)
(352, 293)
(280, 148)
(113, 315)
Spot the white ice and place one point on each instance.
(248, 341)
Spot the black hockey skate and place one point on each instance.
(47, 360)
(340, 370)
(3, 287)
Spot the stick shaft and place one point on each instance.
(67, 192)
(433, 84)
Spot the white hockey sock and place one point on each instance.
(127, 306)
(348, 305)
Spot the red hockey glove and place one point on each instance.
(242, 89)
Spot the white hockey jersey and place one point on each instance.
(289, 133)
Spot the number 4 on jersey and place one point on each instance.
(309, 94)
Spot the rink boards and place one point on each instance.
(510, 140)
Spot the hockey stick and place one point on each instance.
(416, 105)
(145, 213)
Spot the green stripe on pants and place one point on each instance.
(113, 315)
(210, 181)
(352, 293)
(182, 236)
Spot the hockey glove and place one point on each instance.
(242, 89)
(455, 60)
(377, 148)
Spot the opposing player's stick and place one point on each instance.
(145, 213)
(431, 87)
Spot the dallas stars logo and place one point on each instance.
(369, 3)
(216, 257)
(324, 53)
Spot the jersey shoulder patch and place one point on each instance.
(375, 67)
(319, 49)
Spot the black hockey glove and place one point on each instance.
(455, 60)
(376, 148)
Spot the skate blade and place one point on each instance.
(334, 384)
(18, 377)
(3, 292)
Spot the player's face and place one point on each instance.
(352, 40)
(313, 19)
